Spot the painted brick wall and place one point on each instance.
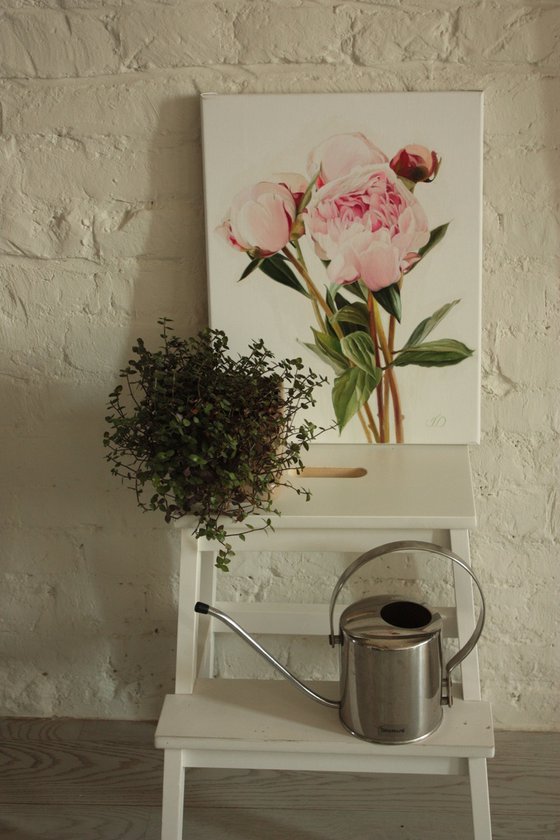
(101, 232)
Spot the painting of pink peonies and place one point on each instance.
(346, 229)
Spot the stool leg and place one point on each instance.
(480, 801)
(173, 795)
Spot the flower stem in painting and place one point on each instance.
(392, 379)
(390, 376)
(314, 292)
(381, 387)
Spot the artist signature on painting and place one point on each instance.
(437, 421)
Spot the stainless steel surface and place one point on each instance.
(390, 674)
(215, 613)
(391, 696)
(431, 548)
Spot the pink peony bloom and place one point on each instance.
(416, 163)
(368, 225)
(260, 219)
(340, 155)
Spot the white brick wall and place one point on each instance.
(101, 232)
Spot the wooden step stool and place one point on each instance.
(407, 492)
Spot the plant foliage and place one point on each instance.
(199, 432)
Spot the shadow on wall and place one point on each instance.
(88, 604)
(134, 556)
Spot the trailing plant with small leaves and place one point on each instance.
(199, 432)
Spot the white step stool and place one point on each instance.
(408, 492)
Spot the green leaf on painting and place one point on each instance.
(277, 268)
(389, 299)
(356, 289)
(425, 327)
(332, 306)
(330, 329)
(352, 313)
(446, 351)
(436, 235)
(360, 350)
(250, 268)
(351, 391)
(340, 301)
(333, 295)
(330, 300)
(324, 358)
(336, 301)
(327, 347)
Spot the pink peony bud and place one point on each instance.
(261, 218)
(416, 163)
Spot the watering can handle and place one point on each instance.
(414, 545)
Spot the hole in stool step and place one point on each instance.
(330, 472)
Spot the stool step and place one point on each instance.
(268, 717)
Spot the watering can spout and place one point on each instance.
(206, 609)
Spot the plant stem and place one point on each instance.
(312, 288)
(300, 265)
(391, 342)
(389, 373)
(396, 406)
(386, 389)
(372, 424)
(379, 390)
(317, 300)
(367, 428)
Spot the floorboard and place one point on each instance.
(101, 780)
(79, 771)
(87, 822)
(78, 822)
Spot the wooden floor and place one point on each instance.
(101, 780)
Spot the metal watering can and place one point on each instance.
(392, 679)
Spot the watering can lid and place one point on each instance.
(389, 617)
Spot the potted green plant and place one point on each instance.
(197, 431)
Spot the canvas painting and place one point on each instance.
(346, 229)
